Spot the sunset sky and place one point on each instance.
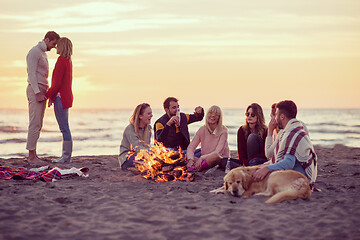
(229, 53)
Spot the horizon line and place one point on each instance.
(224, 108)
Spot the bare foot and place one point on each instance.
(33, 158)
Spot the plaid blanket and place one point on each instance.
(295, 141)
(47, 174)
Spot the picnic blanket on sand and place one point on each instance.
(45, 173)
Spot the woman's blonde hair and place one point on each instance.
(215, 110)
(135, 121)
(65, 47)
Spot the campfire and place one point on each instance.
(162, 164)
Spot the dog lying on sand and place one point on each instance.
(278, 185)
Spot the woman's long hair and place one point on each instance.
(260, 126)
(135, 121)
(65, 47)
(215, 110)
(273, 113)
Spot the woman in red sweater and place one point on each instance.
(60, 94)
(251, 137)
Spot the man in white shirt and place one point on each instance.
(38, 71)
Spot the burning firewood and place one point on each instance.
(162, 164)
(175, 155)
(167, 168)
(177, 173)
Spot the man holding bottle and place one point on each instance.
(171, 129)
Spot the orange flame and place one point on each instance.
(162, 164)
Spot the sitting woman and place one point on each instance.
(213, 138)
(136, 135)
(251, 137)
(272, 133)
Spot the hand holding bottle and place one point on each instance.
(178, 115)
(174, 120)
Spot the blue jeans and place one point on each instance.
(129, 162)
(197, 152)
(255, 145)
(62, 117)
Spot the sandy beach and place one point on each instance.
(116, 204)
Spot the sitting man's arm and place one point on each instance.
(287, 163)
(161, 132)
(197, 116)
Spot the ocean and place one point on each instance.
(99, 132)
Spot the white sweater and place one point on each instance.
(37, 67)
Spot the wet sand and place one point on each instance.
(116, 204)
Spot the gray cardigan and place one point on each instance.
(132, 143)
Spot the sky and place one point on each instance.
(227, 53)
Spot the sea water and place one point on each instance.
(99, 132)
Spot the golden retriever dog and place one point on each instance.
(278, 185)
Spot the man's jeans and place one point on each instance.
(36, 116)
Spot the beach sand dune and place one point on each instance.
(115, 204)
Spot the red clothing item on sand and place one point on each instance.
(242, 147)
(46, 173)
(61, 82)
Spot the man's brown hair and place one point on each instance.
(51, 35)
(167, 101)
(288, 108)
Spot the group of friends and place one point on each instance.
(283, 144)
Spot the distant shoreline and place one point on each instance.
(185, 108)
(233, 153)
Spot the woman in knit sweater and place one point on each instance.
(213, 138)
(251, 137)
(60, 93)
(136, 135)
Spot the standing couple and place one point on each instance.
(60, 92)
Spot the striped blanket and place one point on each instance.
(46, 173)
(294, 140)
